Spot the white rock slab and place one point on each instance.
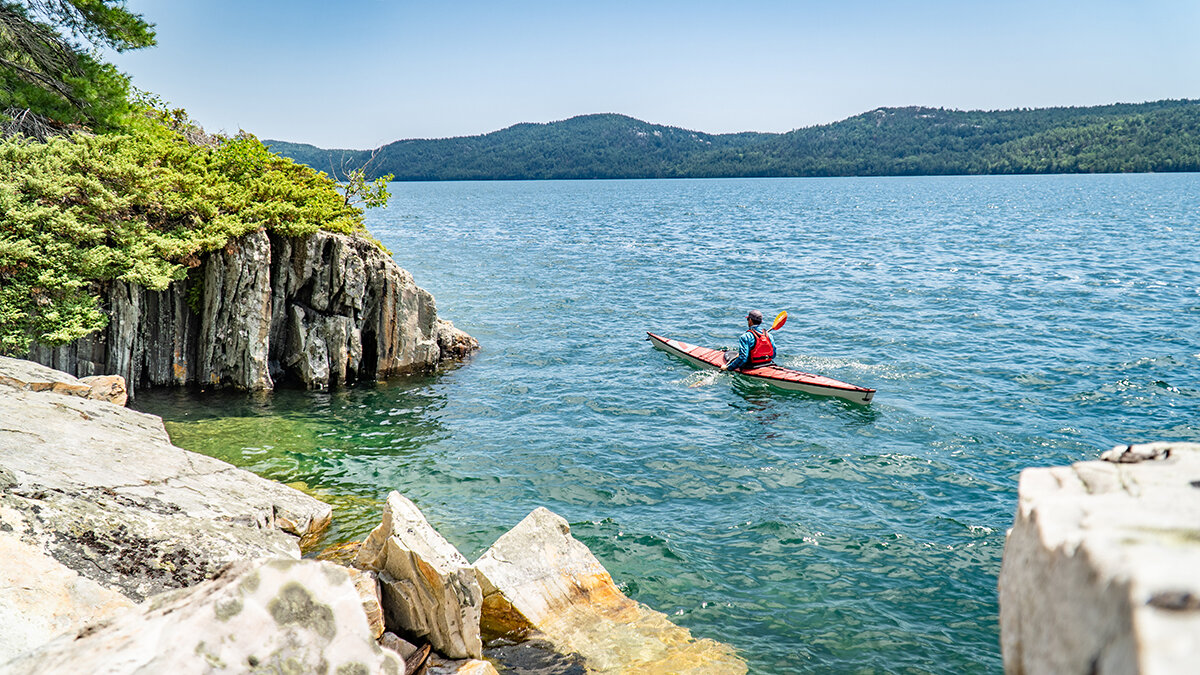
(537, 577)
(283, 616)
(1101, 569)
(41, 598)
(367, 584)
(100, 490)
(429, 589)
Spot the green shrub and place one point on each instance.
(140, 206)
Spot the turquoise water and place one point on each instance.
(1007, 322)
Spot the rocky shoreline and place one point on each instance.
(121, 551)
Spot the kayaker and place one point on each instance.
(755, 346)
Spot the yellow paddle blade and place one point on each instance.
(779, 321)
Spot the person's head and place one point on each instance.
(754, 318)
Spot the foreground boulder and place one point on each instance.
(279, 616)
(97, 497)
(429, 589)
(1101, 570)
(538, 579)
(320, 310)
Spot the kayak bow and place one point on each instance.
(784, 378)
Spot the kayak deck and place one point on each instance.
(784, 378)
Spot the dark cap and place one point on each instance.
(755, 316)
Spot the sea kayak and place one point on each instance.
(784, 378)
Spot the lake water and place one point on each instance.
(1006, 322)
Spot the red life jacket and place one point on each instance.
(762, 352)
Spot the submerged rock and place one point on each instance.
(319, 310)
(1101, 569)
(429, 589)
(277, 616)
(537, 578)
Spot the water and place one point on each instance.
(1007, 322)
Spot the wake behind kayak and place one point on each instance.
(776, 376)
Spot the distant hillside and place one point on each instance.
(1159, 136)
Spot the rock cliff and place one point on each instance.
(319, 310)
(1101, 570)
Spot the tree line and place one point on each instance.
(1159, 136)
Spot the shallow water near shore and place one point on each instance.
(1005, 321)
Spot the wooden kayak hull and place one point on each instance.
(776, 376)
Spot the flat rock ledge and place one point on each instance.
(98, 505)
(1101, 570)
(30, 376)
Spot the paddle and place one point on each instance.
(779, 321)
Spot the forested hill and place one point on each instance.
(1159, 136)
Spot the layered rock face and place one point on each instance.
(1101, 570)
(319, 310)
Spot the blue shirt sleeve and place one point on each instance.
(745, 344)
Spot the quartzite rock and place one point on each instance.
(100, 489)
(367, 584)
(109, 388)
(279, 616)
(537, 577)
(320, 310)
(30, 376)
(439, 666)
(1101, 569)
(41, 598)
(429, 588)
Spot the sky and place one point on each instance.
(363, 73)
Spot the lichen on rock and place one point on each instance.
(298, 616)
(101, 490)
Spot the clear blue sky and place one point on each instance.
(361, 73)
